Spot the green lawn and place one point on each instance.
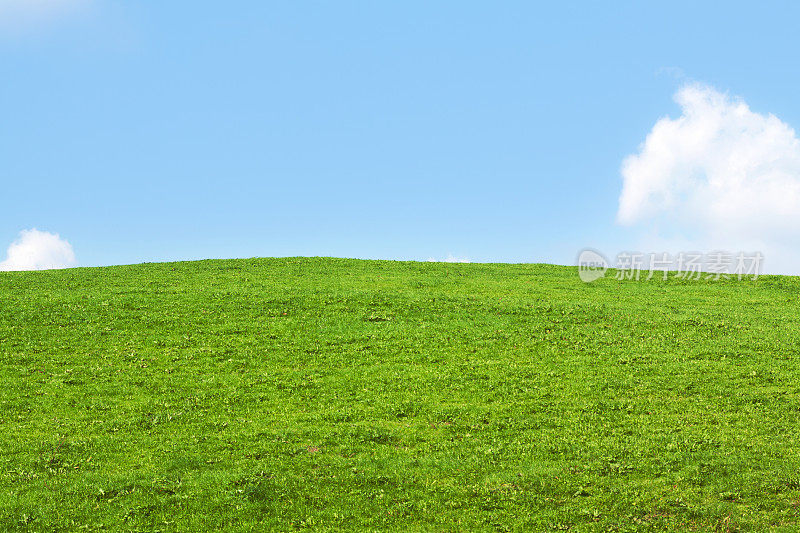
(345, 394)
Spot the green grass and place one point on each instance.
(375, 395)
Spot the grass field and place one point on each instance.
(374, 395)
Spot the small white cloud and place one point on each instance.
(38, 250)
(719, 174)
(449, 259)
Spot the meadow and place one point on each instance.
(334, 394)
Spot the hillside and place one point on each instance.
(346, 394)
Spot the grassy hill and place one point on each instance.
(345, 394)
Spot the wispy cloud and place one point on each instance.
(19, 16)
(38, 250)
(720, 174)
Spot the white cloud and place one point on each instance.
(22, 15)
(38, 250)
(719, 175)
(449, 259)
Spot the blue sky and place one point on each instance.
(155, 131)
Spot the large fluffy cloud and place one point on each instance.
(38, 250)
(719, 174)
